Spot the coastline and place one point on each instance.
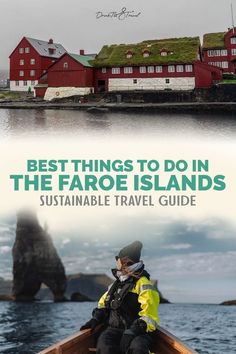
(181, 107)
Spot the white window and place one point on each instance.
(233, 51)
(115, 71)
(214, 53)
(233, 40)
(142, 69)
(32, 61)
(22, 62)
(164, 53)
(128, 70)
(21, 73)
(179, 68)
(135, 81)
(32, 72)
(189, 68)
(171, 68)
(158, 69)
(104, 70)
(17, 83)
(21, 50)
(167, 81)
(32, 83)
(65, 65)
(150, 69)
(25, 83)
(224, 52)
(146, 54)
(225, 64)
(27, 50)
(129, 55)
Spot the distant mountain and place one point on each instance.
(229, 303)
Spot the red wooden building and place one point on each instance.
(72, 74)
(30, 59)
(168, 64)
(219, 49)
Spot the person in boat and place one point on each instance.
(129, 309)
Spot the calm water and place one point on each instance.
(24, 123)
(28, 328)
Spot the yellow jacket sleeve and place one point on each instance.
(101, 302)
(149, 299)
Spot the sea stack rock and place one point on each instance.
(35, 260)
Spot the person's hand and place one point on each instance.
(92, 324)
(126, 340)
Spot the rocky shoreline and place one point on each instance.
(96, 108)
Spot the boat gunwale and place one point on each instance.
(162, 333)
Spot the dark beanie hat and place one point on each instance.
(132, 251)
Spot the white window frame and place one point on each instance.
(25, 83)
(225, 64)
(32, 61)
(171, 68)
(224, 52)
(115, 71)
(146, 54)
(65, 65)
(135, 81)
(159, 69)
(142, 69)
(22, 62)
(164, 53)
(150, 69)
(179, 68)
(104, 70)
(233, 40)
(21, 73)
(32, 82)
(233, 51)
(167, 81)
(32, 72)
(188, 68)
(128, 70)
(27, 50)
(214, 53)
(21, 50)
(17, 83)
(129, 55)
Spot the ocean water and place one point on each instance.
(29, 328)
(22, 124)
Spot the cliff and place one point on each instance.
(229, 303)
(35, 260)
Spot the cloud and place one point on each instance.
(5, 249)
(180, 246)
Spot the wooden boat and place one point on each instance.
(84, 342)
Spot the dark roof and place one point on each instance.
(85, 60)
(42, 47)
(214, 40)
(180, 50)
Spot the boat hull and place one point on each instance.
(84, 342)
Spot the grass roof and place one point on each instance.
(180, 50)
(213, 40)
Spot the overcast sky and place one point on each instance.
(73, 22)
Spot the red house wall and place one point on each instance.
(205, 75)
(136, 74)
(75, 76)
(41, 63)
(228, 58)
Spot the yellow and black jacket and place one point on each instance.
(125, 302)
